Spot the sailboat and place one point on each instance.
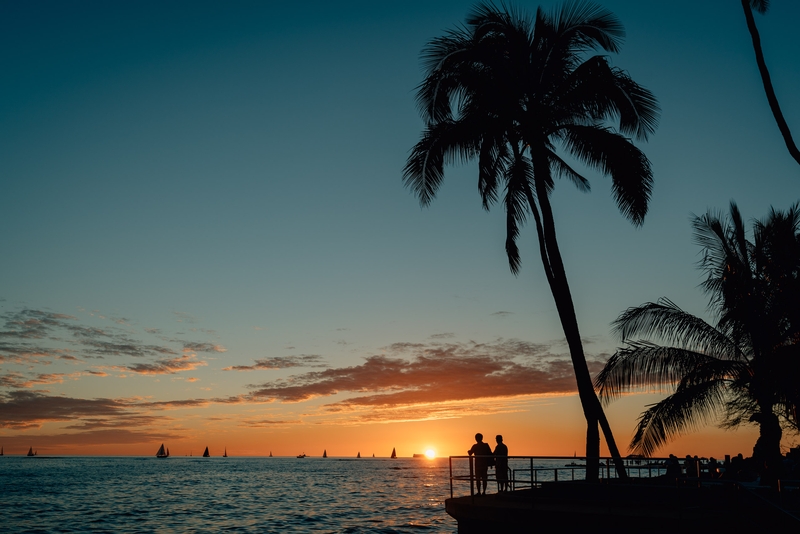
(161, 452)
(325, 453)
(394, 453)
(1, 451)
(30, 452)
(225, 454)
(270, 454)
(205, 453)
(358, 455)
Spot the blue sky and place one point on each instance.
(196, 175)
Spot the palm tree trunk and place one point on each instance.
(767, 450)
(767, 81)
(559, 287)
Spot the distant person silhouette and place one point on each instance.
(673, 467)
(690, 467)
(501, 464)
(483, 457)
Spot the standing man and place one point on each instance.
(501, 464)
(483, 457)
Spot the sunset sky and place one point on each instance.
(206, 240)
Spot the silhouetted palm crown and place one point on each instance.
(510, 91)
(747, 367)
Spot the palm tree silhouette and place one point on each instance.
(510, 91)
(761, 6)
(744, 369)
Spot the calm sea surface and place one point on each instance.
(99, 494)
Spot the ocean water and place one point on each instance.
(179, 494)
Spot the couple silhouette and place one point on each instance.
(485, 458)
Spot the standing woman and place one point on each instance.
(501, 464)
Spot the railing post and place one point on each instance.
(555, 474)
(471, 479)
(533, 475)
(451, 476)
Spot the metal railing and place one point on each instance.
(527, 472)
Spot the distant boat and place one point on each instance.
(30, 452)
(299, 455)
(205, 453)
(160, 454)
(418, 455)
(270, 454)
(394, 453)
(373, 455)
(358, 455)
(325, 453)
(225, 454)
(1, 451)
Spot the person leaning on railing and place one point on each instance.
(483, 458)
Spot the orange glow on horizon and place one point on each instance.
(546, 426)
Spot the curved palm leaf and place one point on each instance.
(685, 410)
(643, 364)
(597, 90)
(631, 175)
(666, 322)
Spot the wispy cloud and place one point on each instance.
(39, 337)
(413, 373)
(31, 409)
(187, 362)
(203, 347)
(19, 380)
(443, 335)
(183, 317)
(267, 423)
(115, 436)
(281, 362)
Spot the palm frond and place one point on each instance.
(760, 6)
(442, 143)
(582, 26)
(614, 155)
(643, 364)
(666, 322)
(683, 411)
(597, 90)
(561, 169)
(518, 181)
(492, 164)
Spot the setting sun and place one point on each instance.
(430, 454)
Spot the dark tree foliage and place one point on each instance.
(746, 367)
